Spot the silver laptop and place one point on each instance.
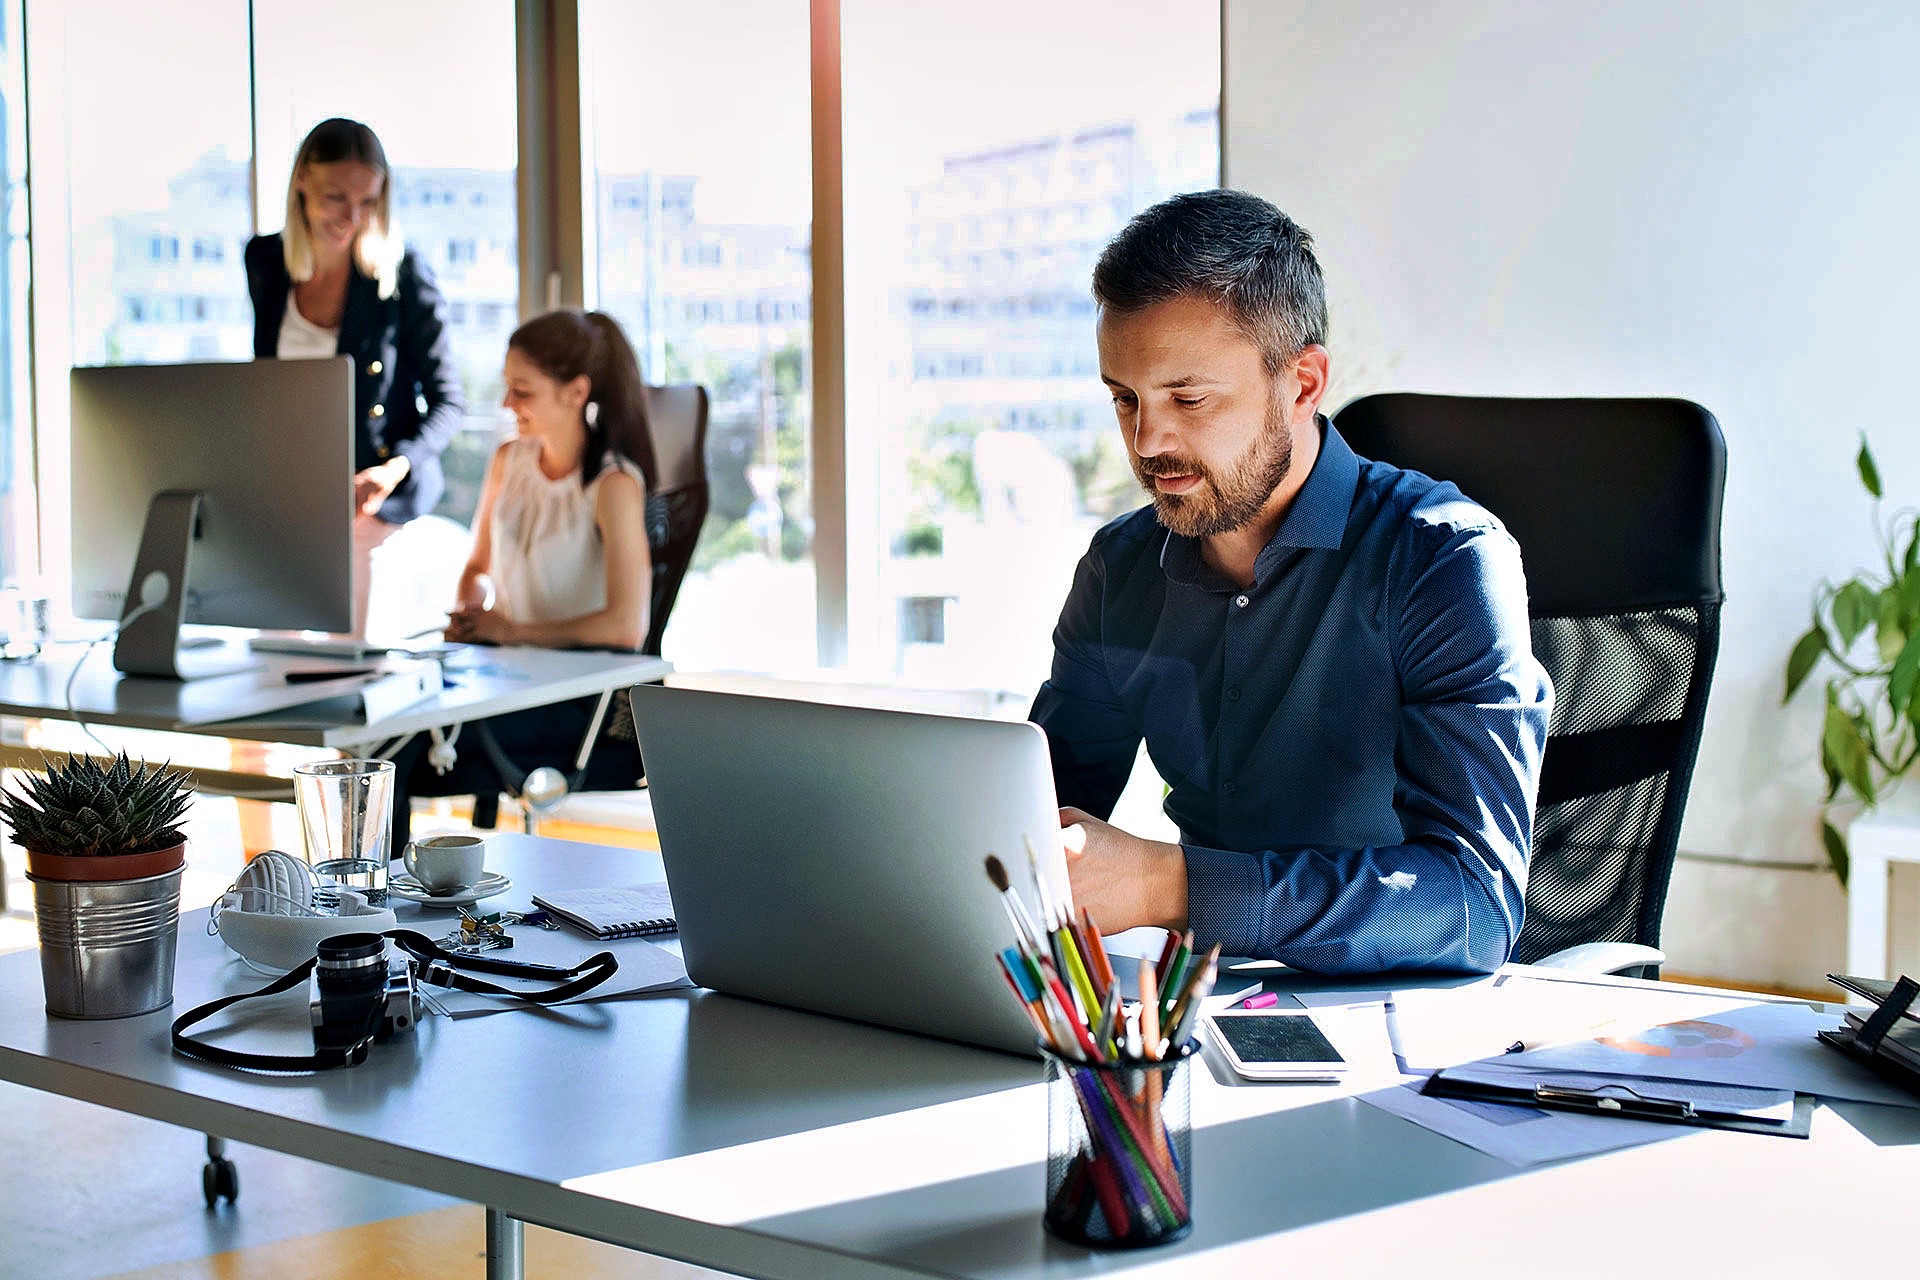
(832, 858)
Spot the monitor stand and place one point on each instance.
(149, 641)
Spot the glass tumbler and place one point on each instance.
(346, 808)
(1119, 1151)
(23, 622)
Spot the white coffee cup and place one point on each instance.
(444, 863)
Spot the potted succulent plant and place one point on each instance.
(104, 856)
(1866, 630)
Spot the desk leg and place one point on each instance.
(506, 1251)
(1867, 907)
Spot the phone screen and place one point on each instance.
(1283, 1037)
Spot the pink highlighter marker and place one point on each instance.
(1264, 1000)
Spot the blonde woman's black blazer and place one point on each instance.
(407, 396)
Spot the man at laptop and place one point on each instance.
(1328, 657)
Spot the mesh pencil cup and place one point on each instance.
(1119, 1151)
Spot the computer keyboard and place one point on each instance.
(329, 647)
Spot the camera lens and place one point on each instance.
(351, 959)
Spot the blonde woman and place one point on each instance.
(338, 281)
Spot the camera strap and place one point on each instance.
(437, 966)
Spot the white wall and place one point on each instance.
(1719, 201)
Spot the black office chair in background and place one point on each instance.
(676, 510)
(1616, 507)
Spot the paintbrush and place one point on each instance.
(1023, 924)
(1048, 907)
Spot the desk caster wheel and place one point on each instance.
(220, 1180)
(219, 1177)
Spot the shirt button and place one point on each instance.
(1228, 787)
(378, 411)
(1240, 600)
(385, 452)
(1233, 693)
(375, 367)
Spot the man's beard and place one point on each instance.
(1223, 502)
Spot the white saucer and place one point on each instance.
(405, 886)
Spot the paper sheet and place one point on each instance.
(643, 967)
(1431, 1028)
(1760, 1046)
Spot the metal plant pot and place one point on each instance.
(107, 946)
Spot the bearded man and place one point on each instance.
(1327, 657)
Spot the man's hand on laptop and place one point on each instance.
(1123, 880)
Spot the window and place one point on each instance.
(702, 222)
(975, 205)
(145, 183)
(450, 138)
(19, 552)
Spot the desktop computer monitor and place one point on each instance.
(212, 493)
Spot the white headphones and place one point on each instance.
(275, 913)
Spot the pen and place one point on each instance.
(1529, 1044)
(1393, 1036)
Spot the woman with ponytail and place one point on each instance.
(560, 554)
(560, 534)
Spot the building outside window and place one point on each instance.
(974, 218)
(701, 221)
(451, 140)
(150, 189)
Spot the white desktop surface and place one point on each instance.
(259, 704)
(768, 1142)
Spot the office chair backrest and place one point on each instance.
(1616, 507)
(678, 507)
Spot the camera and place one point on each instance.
(360, 994)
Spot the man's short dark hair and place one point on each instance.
(1227, 246)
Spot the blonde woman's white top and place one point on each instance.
(548, 563)
(302, 339)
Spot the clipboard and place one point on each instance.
(1656, 1100)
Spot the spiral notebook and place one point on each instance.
(629, 911)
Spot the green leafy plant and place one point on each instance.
(1867, 630)
(81, 807)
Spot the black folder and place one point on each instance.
(1888, 1041)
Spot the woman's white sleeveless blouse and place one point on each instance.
(547, 561)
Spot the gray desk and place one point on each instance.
(260, 705)
(767, 1142)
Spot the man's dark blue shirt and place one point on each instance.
(1352, 744)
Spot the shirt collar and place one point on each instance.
(1317, 518)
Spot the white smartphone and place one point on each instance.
(1275, 1044)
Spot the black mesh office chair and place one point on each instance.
(677, 416)
(1616, 506)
